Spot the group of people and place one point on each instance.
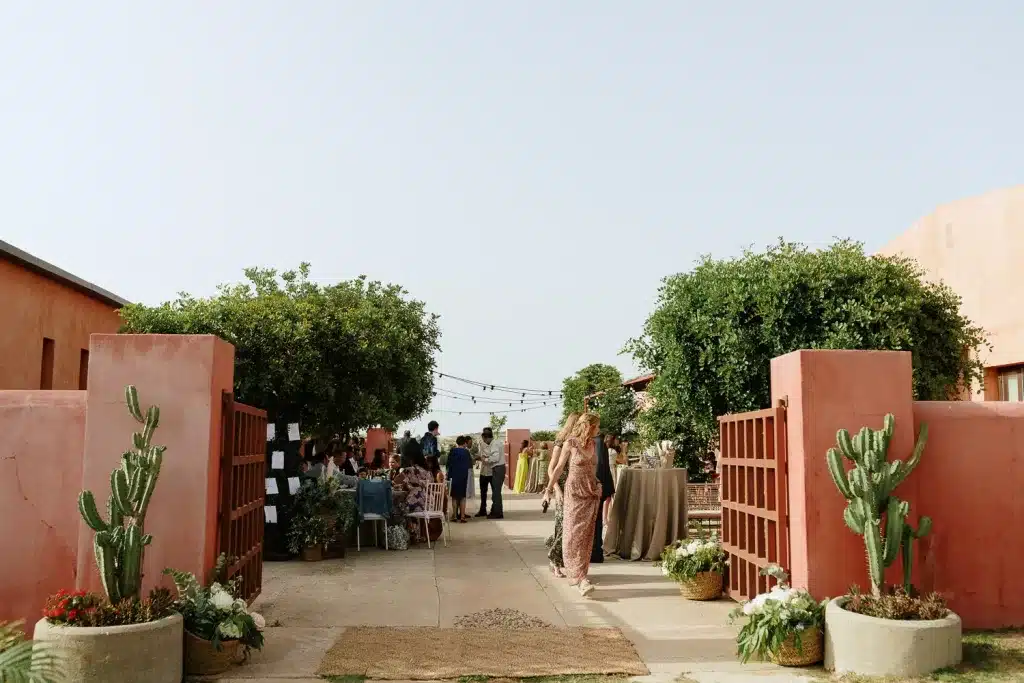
(490, 454)
(580, 481)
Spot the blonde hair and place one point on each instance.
(567, 428)
(586, 426)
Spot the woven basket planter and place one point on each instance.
(811, 650)
(313, 553)
(703, 586)
(203, 659)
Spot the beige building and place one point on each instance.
(976, 246)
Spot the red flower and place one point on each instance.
(72, 615)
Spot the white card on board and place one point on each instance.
(293, 432)
(270, 514)
(271, 486)
(271, 431)
(277, 460)
(293, 485)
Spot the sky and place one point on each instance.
(529, 169)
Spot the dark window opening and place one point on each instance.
(46, 372)
(83, 370)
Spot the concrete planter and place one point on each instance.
(140, 653)
(868, 646)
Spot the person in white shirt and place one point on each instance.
(492, 452)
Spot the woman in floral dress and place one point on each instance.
(582, 497)
(554, 488)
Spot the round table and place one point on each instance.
(648, 512)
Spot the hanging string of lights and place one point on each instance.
(447, 394)
(491, 412)
(490, 386)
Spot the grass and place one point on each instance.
(989, 657)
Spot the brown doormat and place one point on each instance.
(430, 653)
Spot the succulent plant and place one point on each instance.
(868, 489)
(121, 540)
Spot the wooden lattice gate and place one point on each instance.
(243, 455)
(755, 519)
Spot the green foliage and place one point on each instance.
(309, 532)
(771, 618)
(590, 380)
(497, 423)
(320, 513)
(335, 358)
(716, 328)
(868, 489)
(543, 435)
(684, 559)
(119, 543)
(20, 662)
(215, 612)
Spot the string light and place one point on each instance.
(499, 387)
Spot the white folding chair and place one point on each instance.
(372, 517)
(433, 509)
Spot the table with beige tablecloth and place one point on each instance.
(648, 513)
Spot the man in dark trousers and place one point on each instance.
(604, 477)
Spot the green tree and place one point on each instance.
(336, 357)
(614, 406)
(715, 329)
(498, 423)
(543, 435)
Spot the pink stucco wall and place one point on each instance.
(513, 442)
(41, 438)
(968, 481)
(185, 376)
(975, 246)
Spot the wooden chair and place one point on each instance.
(433, 509)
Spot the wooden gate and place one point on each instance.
(755, 510)
(243, 457)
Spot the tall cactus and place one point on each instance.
(120, 542)
(868, 489)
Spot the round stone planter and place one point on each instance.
(140, 653)
(868, 646)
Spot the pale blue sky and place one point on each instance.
(530, 169)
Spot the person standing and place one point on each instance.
(582, 498)
(459, 469)
(607, 483)
(428, 444)
(406, 438)
(494, 454)
(485, 475)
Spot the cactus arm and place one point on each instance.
(874, 551)
(131, 397)
(895, 525)
(132, 558)
(87, 508)
(905, 468)
(105, 564)
(838, 472)
(845, 444)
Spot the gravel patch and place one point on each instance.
(500, 617)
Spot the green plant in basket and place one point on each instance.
(323, 497)
(308, 532)
(215, 613)
(685, 559)
(784, 614)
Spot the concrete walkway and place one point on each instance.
(490, 564)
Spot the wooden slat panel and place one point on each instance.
(755, 511)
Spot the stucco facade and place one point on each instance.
(47, 316)
(976, 246)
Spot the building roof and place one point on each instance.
(9, 252)
(639, 383)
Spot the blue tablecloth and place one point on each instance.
(373, 496)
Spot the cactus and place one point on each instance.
(120, 543)
(868, 489)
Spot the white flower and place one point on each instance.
(229, 630)
(801, 627)
(664, 570)
(681, 552)
(749, 608)
(220, 598)
(693, 547)
(258, 619)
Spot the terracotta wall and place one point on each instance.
(969, 481)
(33, 307)
(184, 375)
(513, 442)
(975, 246)
(377, 438)
(41, 438)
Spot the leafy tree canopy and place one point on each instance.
(497, 423)
(335, 357)
(716, 328)
(614, 406)
(539, 435)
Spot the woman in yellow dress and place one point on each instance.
(523, 467)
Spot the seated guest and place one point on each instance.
(378, 460)
(345, 463)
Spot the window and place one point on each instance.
(83, 370)
(46, 371)
(1011, 384)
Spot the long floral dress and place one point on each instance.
(554, 541)
(416, 479)
(582, 497)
